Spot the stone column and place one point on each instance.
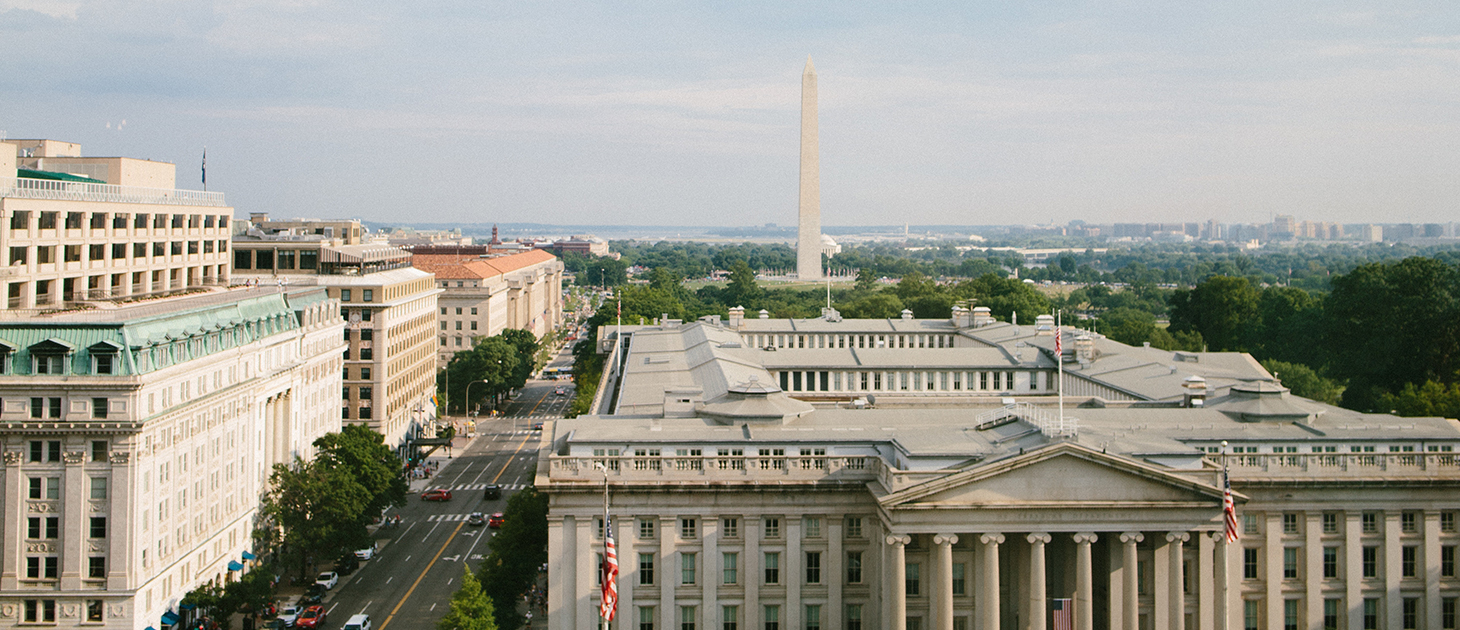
(1084, 582)
(1432, 569)
(988, 588)
(561, 581)
(708, 576)
(835, 575)
(585, 589)
(793, 573)
(897, 582)
(1393, 601)
(1223, 565)
(667, 566)
(943, 560)
(1130, 590)
(1175, 542)
(1037, 605)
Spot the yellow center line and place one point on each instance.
(422, 576)
(508, 463)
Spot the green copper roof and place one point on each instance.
(28, 173)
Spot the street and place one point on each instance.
(409, 583)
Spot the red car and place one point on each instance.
(436, 494)
(495, 521)
(312, 617)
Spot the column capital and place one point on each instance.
(1177, 536)
(994, 538)
(1085, 538)
(1131, 538)
(899, 539)
(1040, 538)
(945, 539)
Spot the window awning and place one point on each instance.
(234, 565)
(169, 618)
(187, 606)
(248, 555)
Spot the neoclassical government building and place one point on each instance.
(913, 474)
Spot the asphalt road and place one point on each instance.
(409, 583)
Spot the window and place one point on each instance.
(43, 527)
(1371, 613)
(1249, 563)
(854, 567)
(1407, 560)
(1290, 563)
(646, 569)
(1411, 613)
(96, 567)
(74, 219)
(687, 528)
(646, 528)
(854, 617)
(344, 295)
(1447, 613)
(960, 584)
(1330, 563)
(20, 220)
(729, 564)
(1370, 522)
(772, 618)
(94, 610)
(44, 450)
(1447, 561)
(772, 527)
(98, 527)
(45, 254)
(686, 568)
(646, 618)
(854, 527)
(812, 617)
(772, 567)
(48, 221)
(1408, 523)
(1447, 522)
(1249, 525)
(1371, 562)
(686, 618)
(1249, 614)
(40, 610)
(730, 527)
(729, 617)
(98, 487)
(813, 567)
(1290, 523)
(812, 525)
(914, 582)
(1331, 607)
(1290, 614)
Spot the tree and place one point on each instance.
(742, 289)
(1220, 308)
(1127, 325)
(527, 346)
(866, 280)
(1305, 382)
(1430, 399)
(517, 552)
(1288, 321)
(362, 453)
(492, 359)
(1393, 324)
(1004, 297)
(319, 508)
(914, 285)
(471, 609)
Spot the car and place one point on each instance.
(476, 518)
(492, 492)
(312, 617)
(288, 615)
(495, 520)
(436, 494)
(311, 597)
(328, 579)
(358, 622)
(272, 624)
(347, 564)
(537, 426)
(561, 391)
(366, 553)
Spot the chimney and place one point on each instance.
(1044, 325)
(1195, 391)
(258, 217)
(906, 314)
(982, 316)
(962, 318)
(1084, 349)
(737, 315)
(764, 314)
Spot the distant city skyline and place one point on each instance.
(588, 113)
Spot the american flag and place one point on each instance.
(1229, 509)
(1059, 346)
(610, 573)
(1060, 611)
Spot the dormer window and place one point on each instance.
(104, 356)
(49, 356)
(7, 351)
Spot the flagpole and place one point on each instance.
(1060, 359)
(606, 537)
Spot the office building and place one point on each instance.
(481, 296)
(923, 474)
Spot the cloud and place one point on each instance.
(54, 8)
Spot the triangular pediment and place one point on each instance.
(1065, 474)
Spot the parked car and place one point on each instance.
(328, 579)
(347, 564)
(311, 597)
(436, 494)
(312, 617)
(366, 553)
(495, 521)
(492, 492)
(288, 615)
(476, 518)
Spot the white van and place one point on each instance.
(358, 622)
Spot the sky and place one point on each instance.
(687, 113)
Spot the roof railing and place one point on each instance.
(26, 188)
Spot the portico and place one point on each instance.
(994, 547)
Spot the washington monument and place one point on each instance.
(808, 236)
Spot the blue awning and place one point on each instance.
(151, 628)
(187, 606)
(234, 565)
(169, 618)
(248, 555)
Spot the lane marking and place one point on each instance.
(421, 577)
(387, 580)
(332, 609)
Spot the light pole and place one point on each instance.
(467, 396)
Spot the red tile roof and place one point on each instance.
(454, 267)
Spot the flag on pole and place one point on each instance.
(610, 572)
(1060, 614)
(1059, 346)
(205, 168)
(1229, 509)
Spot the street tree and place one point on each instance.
(318, 508)
(518, 550)
(471, 609)
(362, 453)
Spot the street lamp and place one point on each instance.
(467, 395)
